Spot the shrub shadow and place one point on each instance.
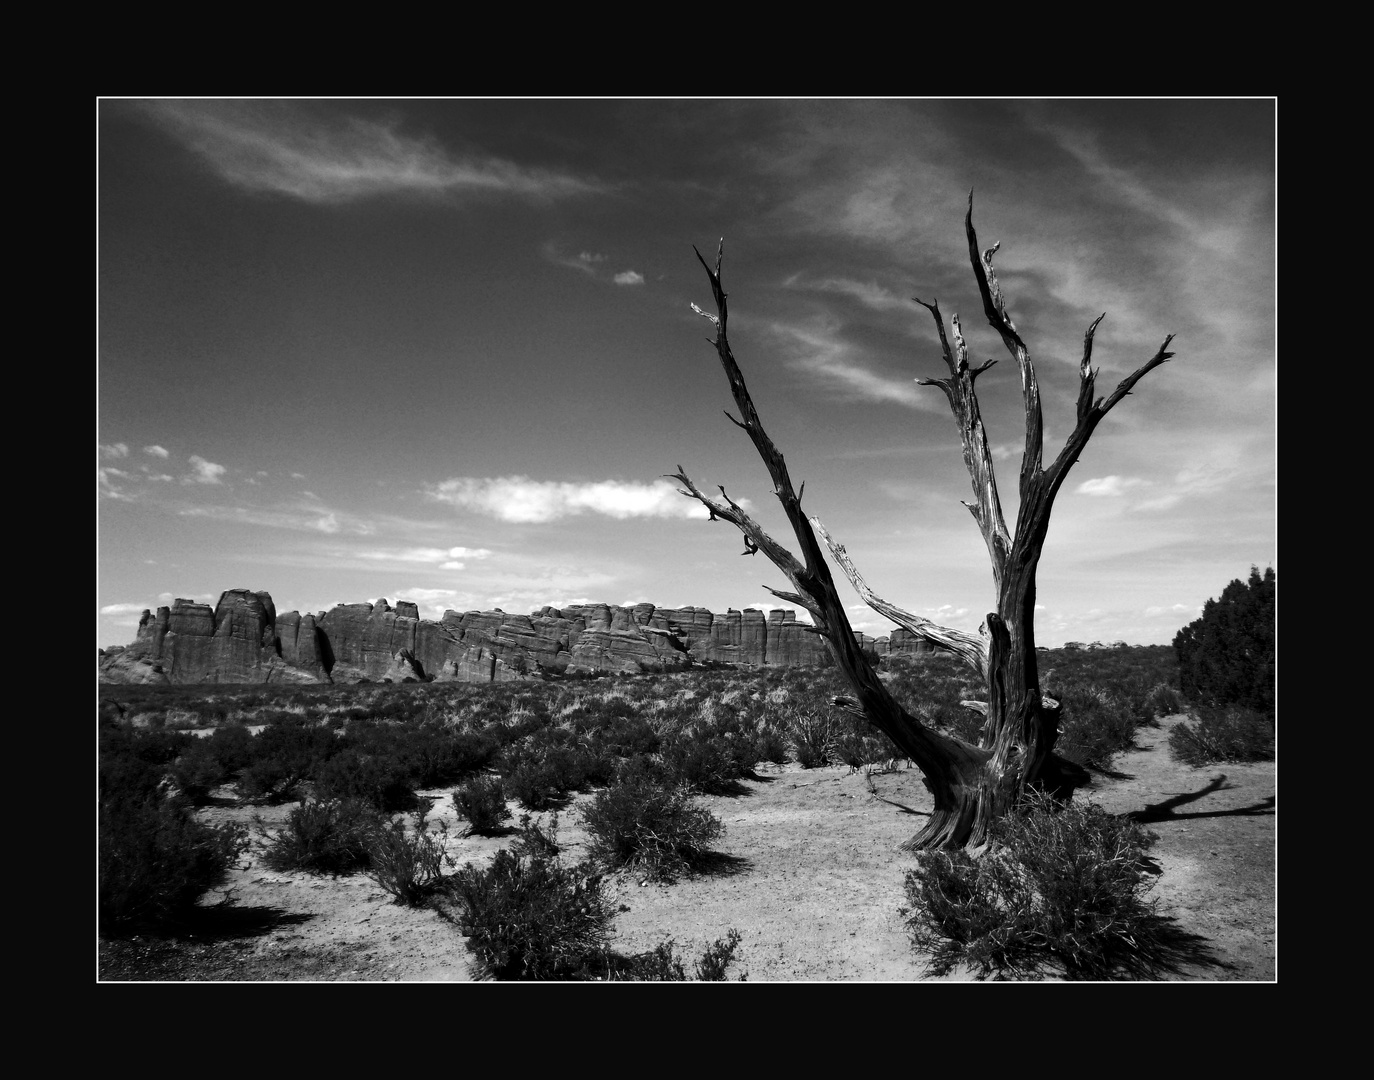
(729, 789)
(1167, 949)
(720, 864)
(219, 922)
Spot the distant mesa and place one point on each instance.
(242, 639)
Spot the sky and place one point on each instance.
(443, 350)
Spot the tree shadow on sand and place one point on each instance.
(1166, 810)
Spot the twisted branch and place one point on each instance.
(971, 648)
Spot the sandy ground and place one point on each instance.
(812, 879)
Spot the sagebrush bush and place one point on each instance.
(212, 761)
(289, 751)
(642, 822)
(622, 734)
(542, 780)
(536, 842)
(1223, 733)
(663, 963)
(331, 836)
(1058, 887)
(529, 917)
(482, 803)
(705, 764)
(814, 737)
(407, 863)
(717, 957)
(1097, 723)
(771, 743)
(156, 860)
(381, 781)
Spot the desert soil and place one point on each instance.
(811, 876)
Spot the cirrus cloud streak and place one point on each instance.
(521, 500)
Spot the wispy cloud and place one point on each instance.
(520, 499)
(1200, 479)
(870, 294)
(299, 518)
(1132, 189)
(157, 451)
(629, 277)
(823, 355)
(445, 558)
(124, 609)
(206, 472)
(1173, 609)
(1111, 486)
(114, 450)
(286, 148)
(105, 480)
(585, 261)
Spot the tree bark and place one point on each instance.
(972, 786)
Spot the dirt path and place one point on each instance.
(812, 879)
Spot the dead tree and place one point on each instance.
(972, 785)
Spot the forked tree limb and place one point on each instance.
(971, 648)
(754, 533)
(945, 762)
(1039, 485)
(995, 308)
(963, 402)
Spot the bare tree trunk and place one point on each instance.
(971, 785)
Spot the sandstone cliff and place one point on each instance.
(243, 640)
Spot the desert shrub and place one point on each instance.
(1096, 724)
(528, 917)
(536, 842)
(381, 781)
(771, 743)
(704, 765)
(427, 754)
(717, 957)
(1058, 887)
(1227, 656)
(642, 822)
(627, 735)
(269, 779)
(857, 743)
(814, 735)
(122, 745)
(659, 964)
(1223, 733)
(288, 751)
(441, 757)
(712, 750)
(407, 863)
(207, 763)
(156, 860)
(322, 837)
(482, 803)
(663, 963)
(1164, 700)
(542, 779)
(198, 772)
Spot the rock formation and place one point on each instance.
(243, 640)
